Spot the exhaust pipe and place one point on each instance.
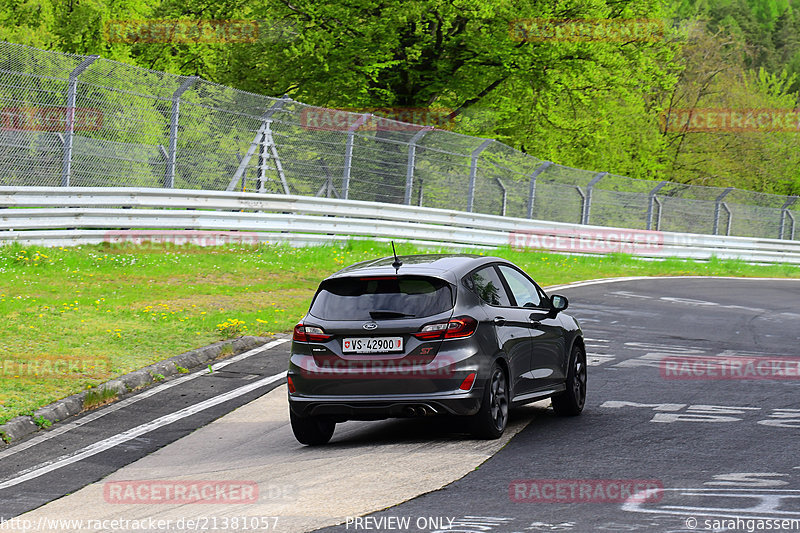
(428, 410)
(419, 410)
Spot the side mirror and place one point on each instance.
(558, 303)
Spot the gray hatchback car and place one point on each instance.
(429, 335)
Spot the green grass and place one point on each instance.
(97, 397)
(89, 313)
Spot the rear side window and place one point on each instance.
(384, 297)
(487, 285)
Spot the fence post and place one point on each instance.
(348, 154)
(532, 190)
(473, 172)
(724, 206)
(583, 203)
(784, 214)
(72, 90)
(660, 207)
(791, 217)
(412, 156)
(651, 203)
(268, 147)
(718, 208)
(587, 202)
(505, 196)
(266, 119)
(169, 174)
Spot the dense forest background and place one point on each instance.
(595, 105)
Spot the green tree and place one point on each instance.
(713, 78)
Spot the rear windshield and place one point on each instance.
(384, 297)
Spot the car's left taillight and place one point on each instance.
(455, 328)
(303, 333)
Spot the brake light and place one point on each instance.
(290, 384)
(303, 333)
(455, 328)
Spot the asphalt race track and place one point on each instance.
(691, 424)
(721, 449)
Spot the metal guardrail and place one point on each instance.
(62, 216)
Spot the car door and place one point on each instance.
(511, 325)
(546, 366)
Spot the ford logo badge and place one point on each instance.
(370, 325)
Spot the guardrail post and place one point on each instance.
(473, 172)
(532, 190)
(786, 214)
(505, 196)
(718, 208)
(348, 154)
(412, 156)
(169, 174)
(587, 200)
(652, 200)
(72, 90)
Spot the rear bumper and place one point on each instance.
(362, 376)
(382, 386)
(378, 407)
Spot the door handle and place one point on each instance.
(499, 321)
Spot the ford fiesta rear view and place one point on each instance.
(432, 335)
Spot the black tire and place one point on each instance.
(311, 430)
(491, 420)
(571, 401)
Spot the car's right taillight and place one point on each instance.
(455, 328)
(303, 333)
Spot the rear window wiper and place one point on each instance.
(382, 313)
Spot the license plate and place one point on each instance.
(372, 345)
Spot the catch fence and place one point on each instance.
(82, 121)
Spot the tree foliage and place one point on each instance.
(594, 104)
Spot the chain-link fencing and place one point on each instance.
(69, 120)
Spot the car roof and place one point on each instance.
(446, 266)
